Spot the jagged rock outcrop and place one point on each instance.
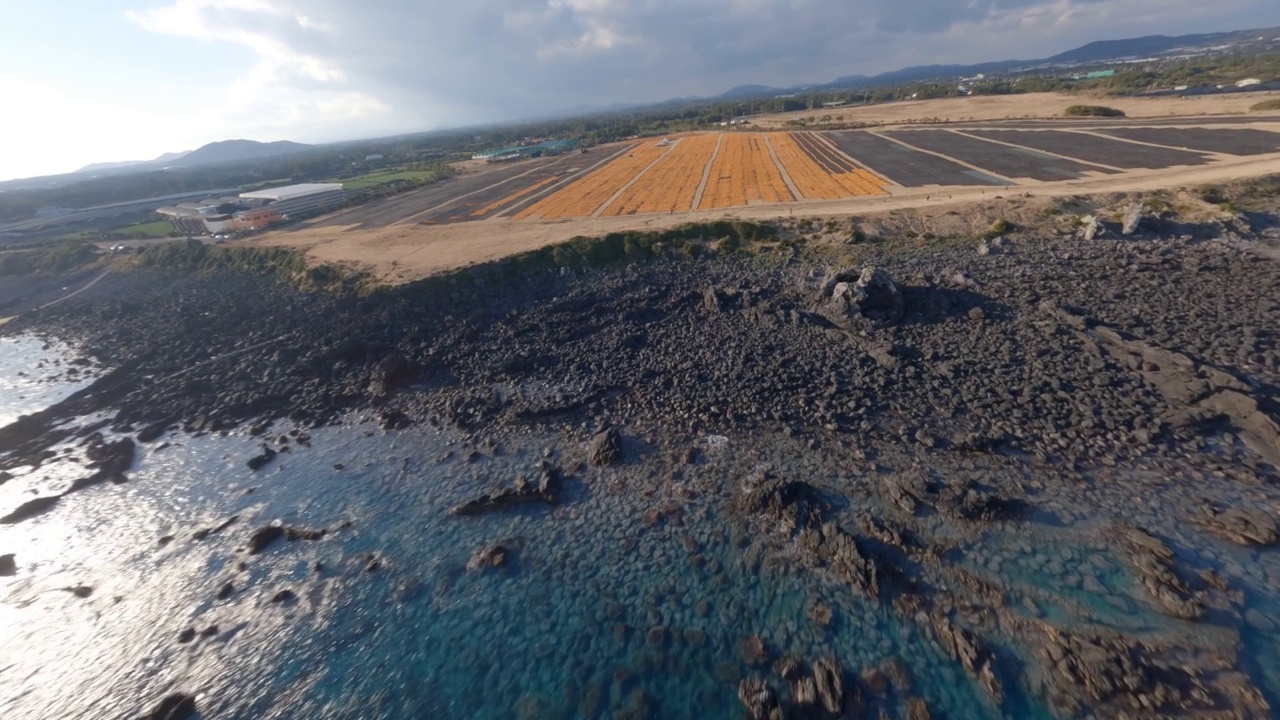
(1133, 214)
(760, 700)
(1153, 561)
(1242, 526)
(1091, 228)
(1111, 676)
(972, 653)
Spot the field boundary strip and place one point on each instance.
(744, 175)
(631, 183)
(1092, 133)
(1050, 153)
(562, 182)
(706, 174)
(498, 204)
(786, 176)
(672, 183)
(464, 196)
(957, 161)
(584, 196)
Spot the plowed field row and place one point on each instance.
(672, 184)
(814, 179)
(830, 160)
(744, 173)
(514, 196)
(583, 197)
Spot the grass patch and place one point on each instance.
(56, 257)
(1265, 105)
(1093, 111)
(283, 264)
(137, 231)
(998, 228)
(265, 184)
(384, 177)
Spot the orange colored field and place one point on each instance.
(672, 184)
(744, 173)
(584, 197)
(811, 180)
(814, 182)
(513, 197)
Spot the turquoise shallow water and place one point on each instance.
(604, 609)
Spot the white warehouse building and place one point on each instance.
(295, 200)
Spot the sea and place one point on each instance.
(602, 610)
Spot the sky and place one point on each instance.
(89, 81)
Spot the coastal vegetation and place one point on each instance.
(55, 257)
(1266, 105)
(1093, 111)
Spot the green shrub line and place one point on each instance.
(1093, 111)
(580, 253)
(1265, 105)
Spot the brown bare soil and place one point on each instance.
(1009, 107)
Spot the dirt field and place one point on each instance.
(1005, 107)
(647, 184)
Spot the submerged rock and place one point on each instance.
(547, 490)
(178, 706)
(490, 557)
(972, 653)
(759, 699)
(829, 681)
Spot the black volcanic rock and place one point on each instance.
(30, 509)
(606, 448)
(178, 706)
(267, 536)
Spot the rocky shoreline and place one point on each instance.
(946, 393)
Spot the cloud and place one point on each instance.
(373, 65)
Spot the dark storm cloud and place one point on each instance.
(446, 62)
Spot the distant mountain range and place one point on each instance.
(1098, 52)
(216, 153)
(1093, 54)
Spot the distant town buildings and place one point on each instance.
(252, 211)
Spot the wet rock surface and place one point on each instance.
(545, 490)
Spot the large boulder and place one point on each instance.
(1133, 215)
(870, 294)
(8, 568)
(606, 448)
(1091, 228)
